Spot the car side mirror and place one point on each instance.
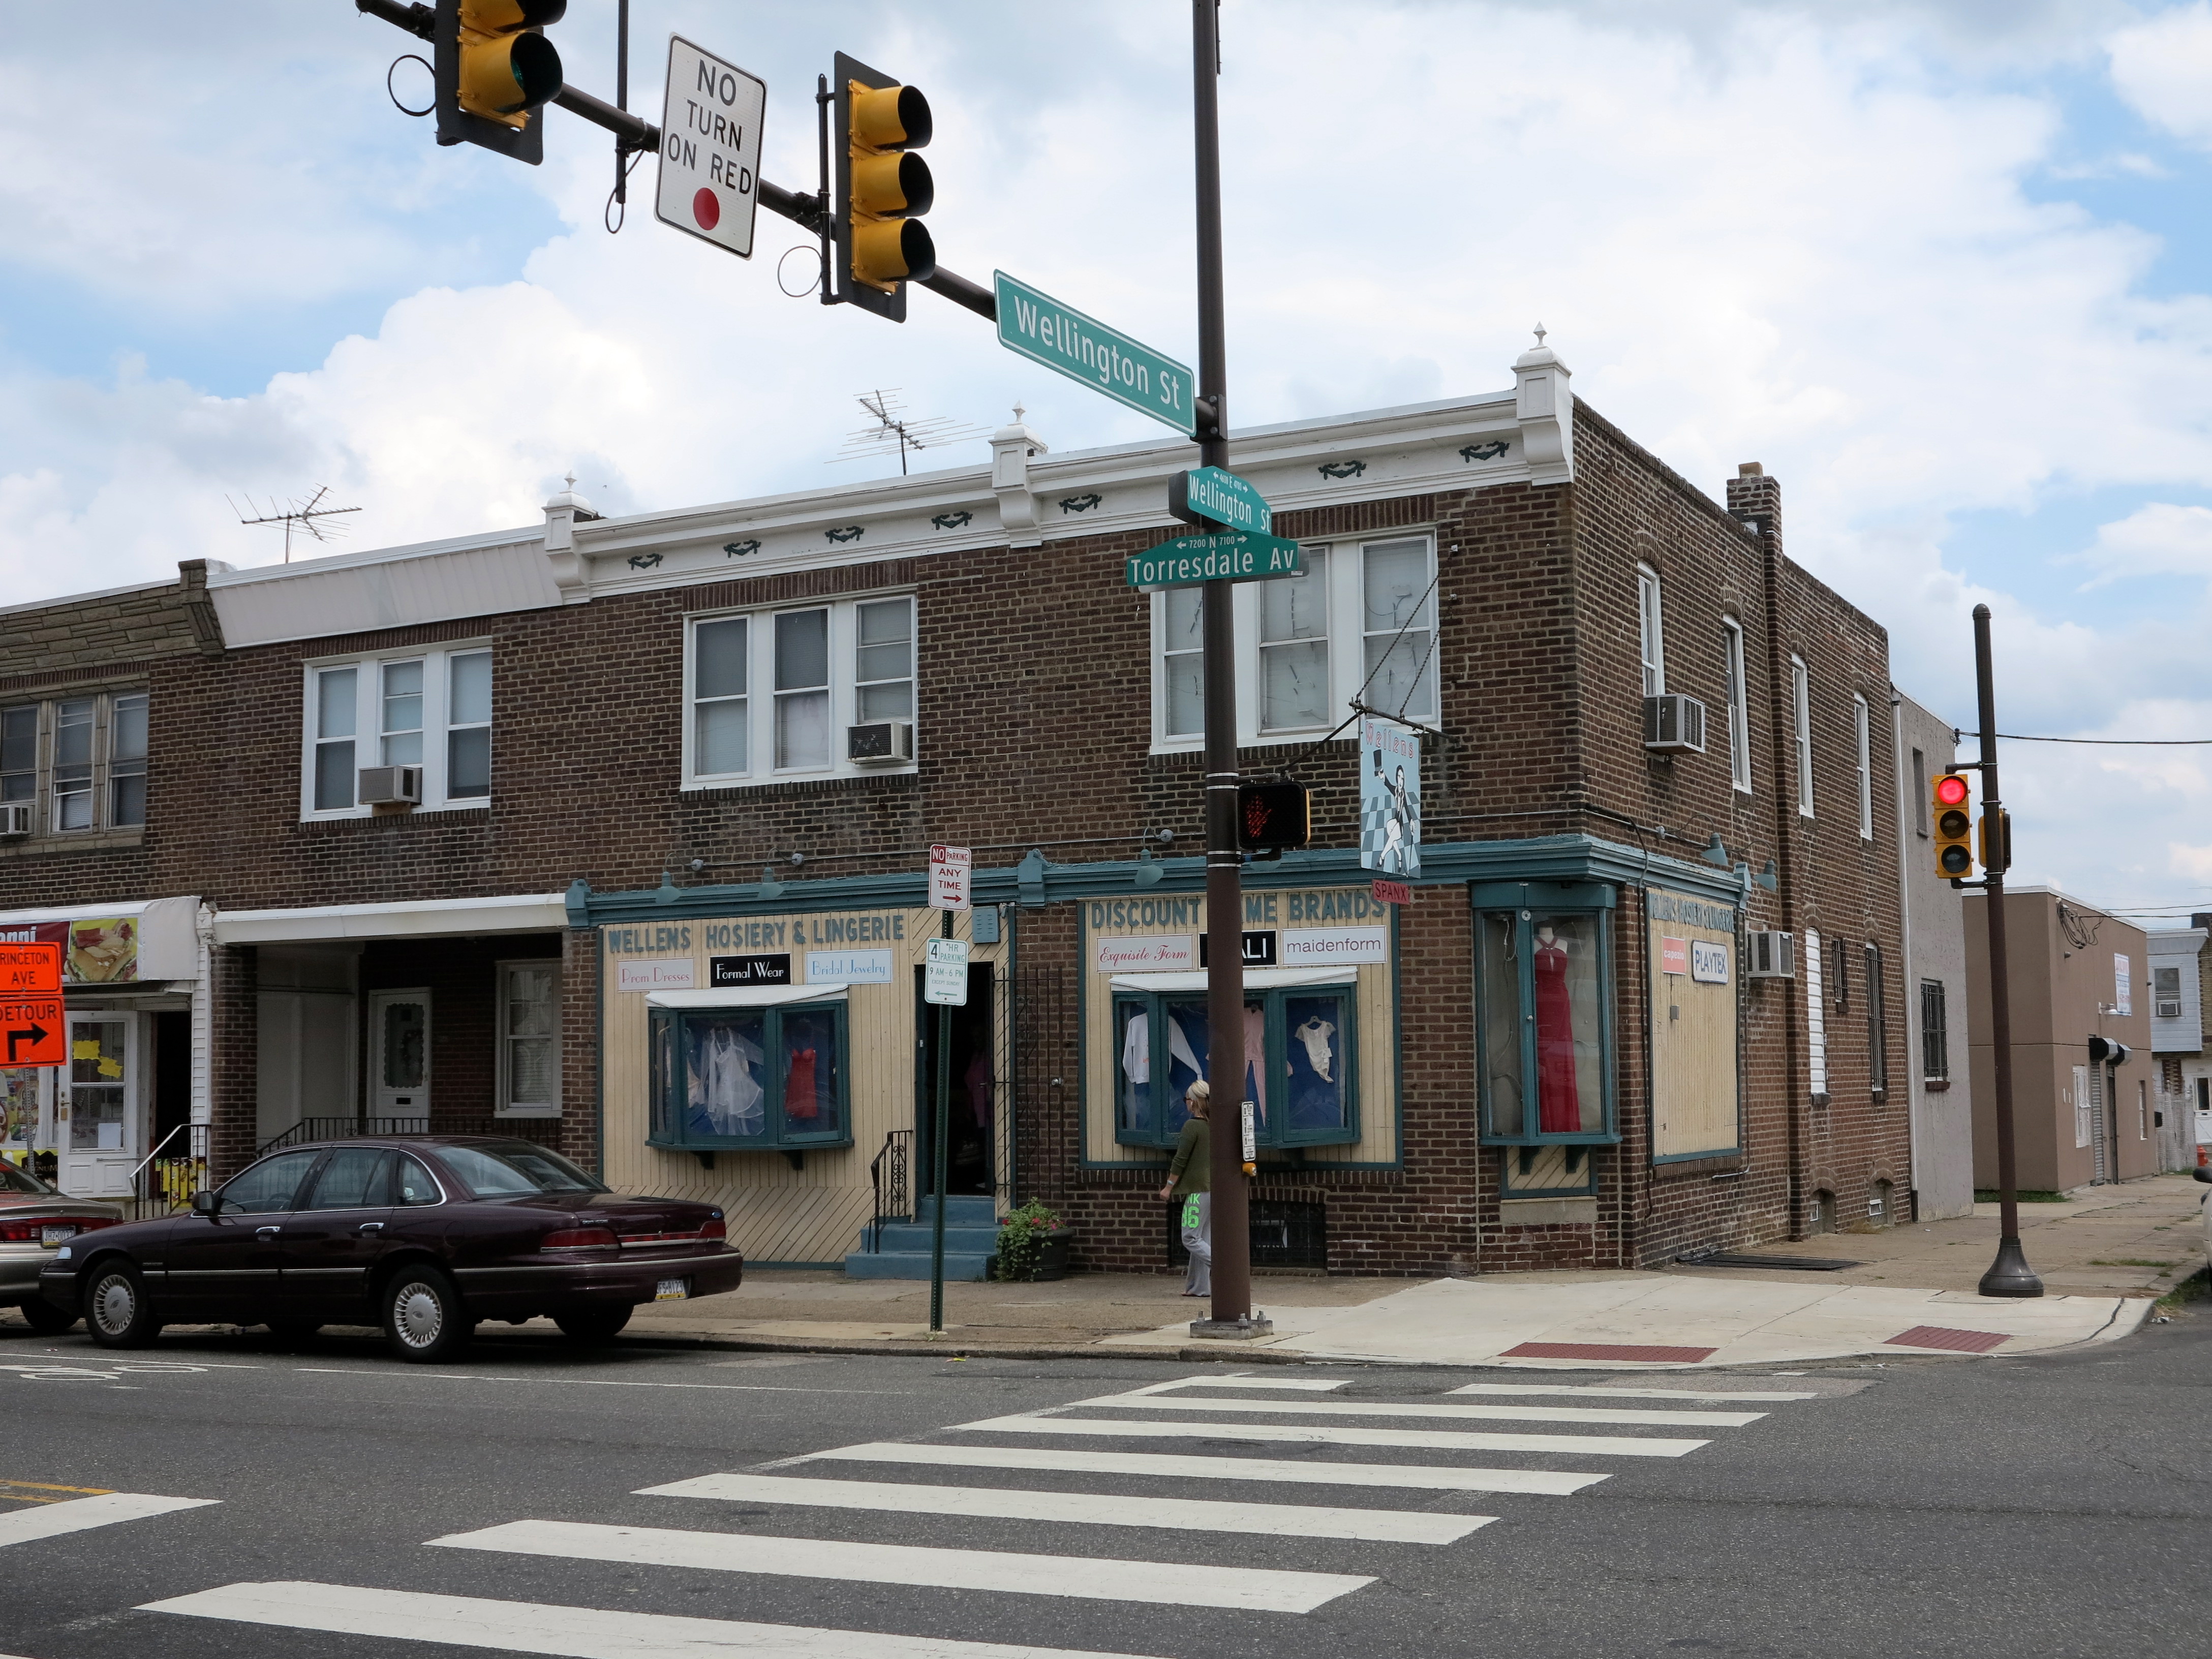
(2203, 1172)
(203, 1202)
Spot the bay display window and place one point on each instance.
(1359, 621)
(758, 1075)
(427, 708)
(85, 756)
(770, 695)
(1299, 1048)
(1544, 1021)
(529, 1039)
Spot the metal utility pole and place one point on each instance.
(1224, 898)
(941, 1117)
(2009, 1274)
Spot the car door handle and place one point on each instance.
(267, 1232)
(370, 1227)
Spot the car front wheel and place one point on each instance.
(423, 1318)
(116, 1310)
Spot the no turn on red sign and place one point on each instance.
(710, 146)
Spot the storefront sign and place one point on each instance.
(661, 974)
(849, 967)
(1329, 947)
(1167, 953)
(1390, 798)
(1709, 962)
(1259, 949)
(1392, 892)
(96, 950)
(750, 970)
(1674, 956)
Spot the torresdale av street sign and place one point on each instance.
(1038, 327)
(1236, 556)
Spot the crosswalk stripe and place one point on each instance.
(1095, 1508)
(82, 1514)
(1424, 1477)
(1330, 1434)
(1101, 1578)
(1302, 1384)
(1371, 1408)
(469, 1621)
(1630, 1394)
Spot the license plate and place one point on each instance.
(56, 1235)
(672, 1290)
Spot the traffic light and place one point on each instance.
(1999, 856)
(1955, 827)
(1271, 817)
(883, 190)
(495, 71)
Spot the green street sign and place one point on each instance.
(1208, 494)
(1038, 327)
(1238, 556)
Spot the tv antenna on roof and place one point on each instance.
(893, 428)
(305, 515)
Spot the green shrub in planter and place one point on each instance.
(1030, 1237)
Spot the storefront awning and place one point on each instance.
(146, 940)
(745, 996)
(512, 913)
(1256, 979)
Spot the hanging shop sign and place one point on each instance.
(1390, 798)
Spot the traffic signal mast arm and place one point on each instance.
(634, 132)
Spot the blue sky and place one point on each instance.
(1943, 266)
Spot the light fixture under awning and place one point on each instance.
(1256, 979)
(745, 996)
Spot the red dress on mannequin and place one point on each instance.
(798, 1097)
(1559, 1108)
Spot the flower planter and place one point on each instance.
(1050, 1261)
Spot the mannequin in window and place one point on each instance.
(723, 1088)
(1559, 1108)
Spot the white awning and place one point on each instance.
(1256, 979)
(161, 943)
(745, 996)
(512, 913)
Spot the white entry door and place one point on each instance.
(400, 1054)
(101, 1143)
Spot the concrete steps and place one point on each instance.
(971, 1236)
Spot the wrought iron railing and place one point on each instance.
(162, 1185)
(887, 1175)
(546, 1131)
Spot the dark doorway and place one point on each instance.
(974, 1105)
(173, 1083)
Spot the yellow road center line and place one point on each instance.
(41, 1485)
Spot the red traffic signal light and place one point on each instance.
(1954, 827)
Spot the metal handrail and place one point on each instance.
(157, 1152)
(895, 1149)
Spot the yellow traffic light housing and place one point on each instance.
(1954, 827)
(494, 71)
(883, 189)
(1998, 856)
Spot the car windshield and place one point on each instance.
(16, 1183)
(516, 1169)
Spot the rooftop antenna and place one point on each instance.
(304, 515)
(892, 427)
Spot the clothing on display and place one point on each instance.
(978, 1081)
(725, 1082)
(1315, 1035)
(1255, 1057)
(798, 1097)
(1137, 1049)
(1558, 1106)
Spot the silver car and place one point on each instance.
(34, 1220)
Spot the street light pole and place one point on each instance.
(1225, 901)
(2009, 1274)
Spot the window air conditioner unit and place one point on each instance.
(15, 819)
(1771, 956)
(2169, 1011)
(1675, 725)
(390, 785)
(879, 743)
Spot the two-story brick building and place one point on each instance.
(657, 896)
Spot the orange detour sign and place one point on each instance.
(32, 1030)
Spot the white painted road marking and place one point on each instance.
(1095, 1508)
(1369, 1408)
(1557, 1445)
(1625, 1394)
(1092, 1577)
(469, 1621)
(579, 1381)
(82, 1514)
(1426, 1477)
(1304, 1384)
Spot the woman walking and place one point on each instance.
(1187, 1180)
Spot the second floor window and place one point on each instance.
(1863, 733)
(1651, 644)
(1800, 701)
(770, 694)
(1738, 705)
(1935, 1032)
(80, 762)
(427, 708)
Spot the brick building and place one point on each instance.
(659, 897)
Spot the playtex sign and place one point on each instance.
(1390, 798)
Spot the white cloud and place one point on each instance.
(2158, 538)
(2162, 67)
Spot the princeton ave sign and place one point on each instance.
(1236, 556)
(1038, 327)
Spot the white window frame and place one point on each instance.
(760, 771)
(1862, 722)
(1801, 696)
(369, 724)
(1650, 632)
(45, 800)
(1347, 565)
(1738, 705)
(1816, 1022)
(502, 1106)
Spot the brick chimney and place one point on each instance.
(1757, 500)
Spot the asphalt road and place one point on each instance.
(2060, 1505)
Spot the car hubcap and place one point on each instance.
(419, 1315)
(113, 1303)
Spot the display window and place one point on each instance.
(1299, 1065)
(1544, 1026)
(742, 1079)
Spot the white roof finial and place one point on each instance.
(1019, 410)
(571, 481)
(1540, 333)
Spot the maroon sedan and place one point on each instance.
(425, 1235)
